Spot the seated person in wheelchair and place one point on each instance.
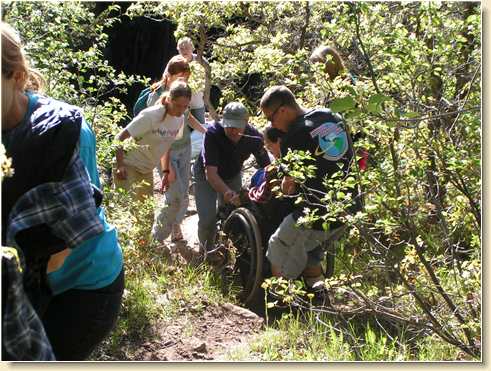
(218, 170)
(264, 178)
(272, 208)
(295, 250)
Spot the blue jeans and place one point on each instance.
(206, 204)
(176, 197)
(76, 321)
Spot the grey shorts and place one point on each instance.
(292, 248)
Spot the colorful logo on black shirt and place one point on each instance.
(333, 141)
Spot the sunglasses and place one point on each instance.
(271, 117)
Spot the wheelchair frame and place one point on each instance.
(249, 263)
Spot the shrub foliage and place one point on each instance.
(412, 257)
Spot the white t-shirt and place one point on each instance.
(153, 135)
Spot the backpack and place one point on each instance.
(141, 101)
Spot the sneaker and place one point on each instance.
(315, 283)
(317, 286)
(216, 257)
(165, 251)
(176, 233)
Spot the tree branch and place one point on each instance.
(206, 65)
(362, 46)
(235, 46)
(305, 26)
(442, 292)
(433, 117)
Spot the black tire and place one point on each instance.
(242, 229)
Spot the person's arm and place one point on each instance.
(56, 260)
(120, 168)
(219, 185)
(261, 156)
(168, 171)
(211, 159)
(258, 150)
(137, 128)
(195, 124)
(288, 185)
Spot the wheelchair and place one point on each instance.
(242, 238)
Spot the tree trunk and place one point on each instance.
(206, 65)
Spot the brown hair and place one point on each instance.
(177, 64)
(334, 65)
(177, 89)
(14, 59)
(277, 96)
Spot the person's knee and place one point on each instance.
(286, 250)
(312, 270)
(278, 257)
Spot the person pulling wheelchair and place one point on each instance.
(293, 249)
(218, 170)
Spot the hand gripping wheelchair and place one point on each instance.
(242, 240)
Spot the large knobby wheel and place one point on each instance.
(242, 231)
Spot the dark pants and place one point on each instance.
(206, 204)
(76, 321)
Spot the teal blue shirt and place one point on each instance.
(97, 262)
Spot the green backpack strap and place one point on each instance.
(141, 101)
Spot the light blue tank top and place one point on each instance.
(97, 262)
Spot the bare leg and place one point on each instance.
(312, 271)
(275, 271)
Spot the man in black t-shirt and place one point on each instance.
(294, 250)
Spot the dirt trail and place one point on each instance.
(204, 334)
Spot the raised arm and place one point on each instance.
(195, 124)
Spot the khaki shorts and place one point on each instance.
(139, 185)
(290, 246)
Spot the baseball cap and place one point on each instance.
(235, 115)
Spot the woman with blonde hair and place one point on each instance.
(74, 274)
(154, 130)
(176, 68)
(170, 216)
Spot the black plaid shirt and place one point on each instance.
(67, 207)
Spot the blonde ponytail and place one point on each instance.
(14, 59)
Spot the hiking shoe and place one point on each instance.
(315, 283)
(317, 286)
(216, 257)
(176, 233)
(165, 250)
